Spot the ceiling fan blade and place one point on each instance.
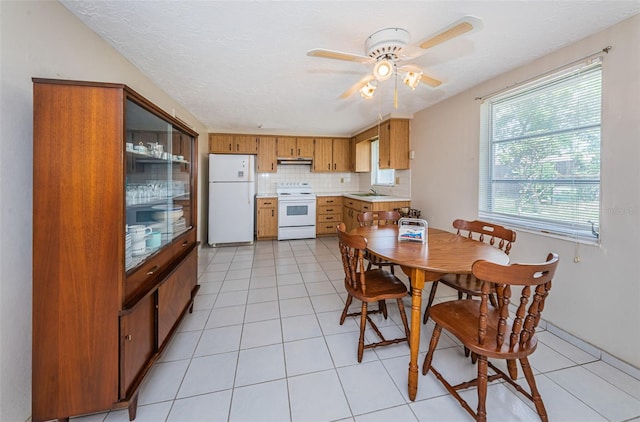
(433, 83)
(463, 26)
(356, 87)
(337, 55)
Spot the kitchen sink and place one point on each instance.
(368, 194)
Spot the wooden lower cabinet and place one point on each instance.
(174, 294)
(352, 207)
(137, 343)
(267, 218)
(328, 214)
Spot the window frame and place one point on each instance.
(576, 231)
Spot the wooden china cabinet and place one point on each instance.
(107, 163)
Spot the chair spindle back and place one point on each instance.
(476, 230)
(352, 251)
(372, 218)
(526, 319)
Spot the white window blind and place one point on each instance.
(540, 154)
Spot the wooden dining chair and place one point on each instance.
(493, 234)
(373, 218)
(491, 332)
(368, 286)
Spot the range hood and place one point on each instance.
(294, 160)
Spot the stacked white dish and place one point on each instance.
(128, 252)
(167, 212)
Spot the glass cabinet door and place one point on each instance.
(157, 184)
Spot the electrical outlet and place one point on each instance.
(397, 180)
(342, 180)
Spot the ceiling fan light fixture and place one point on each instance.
(367, 91)
(383, 69)
(412, 79)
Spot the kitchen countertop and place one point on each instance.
(378, 198)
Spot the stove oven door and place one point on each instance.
(296, 212)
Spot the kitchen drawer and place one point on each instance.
(329, 200)
(329, 218)
(326, 228)
(267, 202)
(329, 209)
(143, 277)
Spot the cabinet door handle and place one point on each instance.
(128, 337)
(273, 213)
(153, 269)
(334, 166)
(329, 218)
(185, 243)
(329, 166)
(292, 152)
(329, 209)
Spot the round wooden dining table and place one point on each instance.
(443, 253)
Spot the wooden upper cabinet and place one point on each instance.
(305, 147)
(360, 156)
(287, 146)
(292, 147)
(245, 144)
(331, 154)
(341, 155)
(322, 155)
(267, 161)
(224, 143)
(394, 144)
(220, 143)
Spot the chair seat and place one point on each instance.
(381, 285)
(465, 283)
(460, 318)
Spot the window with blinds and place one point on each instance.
(540, 154)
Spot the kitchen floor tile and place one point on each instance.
(210, 407)
(267, 401)
(260, 364)
(219, 340)
(208, 374)
(317, 397)
(300, 327)
(369, 387)
(606, 399)
(305, 356)
(263, 333)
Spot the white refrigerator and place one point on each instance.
(231, 199)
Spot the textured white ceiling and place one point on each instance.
(241, 66)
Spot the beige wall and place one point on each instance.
(41, 39)
(598, 299)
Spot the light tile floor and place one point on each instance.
(264, 344)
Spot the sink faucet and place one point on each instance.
(374, 191)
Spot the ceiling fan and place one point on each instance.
(388, 51)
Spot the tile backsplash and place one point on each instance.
(331, 182)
